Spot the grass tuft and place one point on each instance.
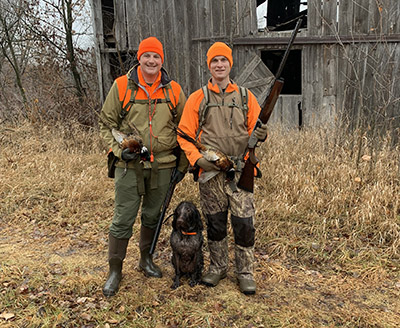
(327, 240)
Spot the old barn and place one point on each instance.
(345, 62)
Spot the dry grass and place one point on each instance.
(327, 245)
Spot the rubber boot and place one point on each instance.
(116, 255)
(244, 260)
(218, 262)
(146, 264)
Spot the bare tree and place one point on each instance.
(53, 23)
(13, 39)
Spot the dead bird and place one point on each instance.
(213, 155)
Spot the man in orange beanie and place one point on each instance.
(146, 103)
(222, 115)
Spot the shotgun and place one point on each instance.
(246, 180)
(167, 200)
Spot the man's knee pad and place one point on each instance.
(243, 230)
(216, 226)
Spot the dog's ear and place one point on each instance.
(198, 219)
(174, 216)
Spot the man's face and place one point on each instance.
(220, 68)
(150, 63)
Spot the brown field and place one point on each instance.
(327, 240)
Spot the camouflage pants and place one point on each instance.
(217, 199)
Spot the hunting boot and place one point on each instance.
(146, 264)
(244, 258)
(116, 255)
(218, 262)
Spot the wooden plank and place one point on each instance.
(329, 66)
(120, 25)
(135, 26)
(290, 111)
(345, 20)
(182, 16)
(313, 91)
(329, 17)
(373, 17)
(216, 18)
(328, 111)
(276, 116)
(256, 76)
(205, 18)
(97, 23)
(286, 111)
(229, 17)
(248, 69)
(257, 83)
(314, 15)
(360, 16)
(396, 18)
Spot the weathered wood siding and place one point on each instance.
(357, 76)
(350, 51)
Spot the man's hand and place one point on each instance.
(261, 132)
(207, 165)
(178, 176)
(127, 156)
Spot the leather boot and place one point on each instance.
(218, 262)
(244, 259)
(116, 255)
(146, 264)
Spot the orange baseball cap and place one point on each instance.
(219, 49)
(151, 44)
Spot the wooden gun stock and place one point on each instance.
(246, 181)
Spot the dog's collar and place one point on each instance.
(189, 233)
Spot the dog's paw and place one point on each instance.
(175, 285)
(193, 282)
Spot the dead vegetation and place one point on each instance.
(327, 247)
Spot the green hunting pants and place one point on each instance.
(128, 200)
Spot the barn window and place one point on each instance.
(107, 9)
(280, 15)
(291, 72)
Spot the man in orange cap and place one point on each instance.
(222, 115)
(145, 102)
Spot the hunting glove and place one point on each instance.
(177, 177)
(261, 132)
(128, 156)
(206, 165)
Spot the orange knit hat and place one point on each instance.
(151, 44)
(219, 49)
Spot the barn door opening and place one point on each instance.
(291, 72)
(292, 87)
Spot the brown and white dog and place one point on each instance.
(186, 243)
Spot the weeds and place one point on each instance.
(327, 240)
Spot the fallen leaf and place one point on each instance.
(23, 289)
(7, 316)
(218, 307)
(86, 316)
